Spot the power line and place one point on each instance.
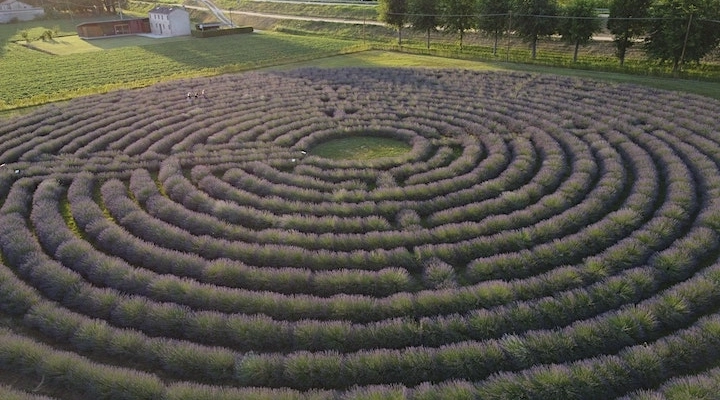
(544, 16)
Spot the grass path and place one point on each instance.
(377, 58)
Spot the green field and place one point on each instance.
(360, 148)
(32, 77)
(67, 45)
(67, 67)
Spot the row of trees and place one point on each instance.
(85, 7)
(672, 30)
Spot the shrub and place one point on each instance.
(76, 374)
(130, 311)
(473, 360)
(16, 298)
(194, 391)
(261, 371)
(456, 389)
(305, 370)
(256, 332)
(198, 363)
(439, 275)
(703, 385)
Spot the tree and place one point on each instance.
(109, 6)
(680, 31)
(580, 23)
(393, 13)
(535, 18)
(78, 6)
(458, 16)
(494, 16)
(424, 16)
(627, 21)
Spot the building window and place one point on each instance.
(122, 29)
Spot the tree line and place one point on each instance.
(83, 7)
(675, 31)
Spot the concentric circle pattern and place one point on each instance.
(544, 237)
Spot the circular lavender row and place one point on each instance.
(537, 230)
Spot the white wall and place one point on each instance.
(180, 23)
(176, 23)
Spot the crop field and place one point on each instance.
(502, 235)
(31, 77)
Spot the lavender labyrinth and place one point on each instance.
(540, 237)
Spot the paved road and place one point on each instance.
(325, 2)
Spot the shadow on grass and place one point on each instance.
(229, 53)
(12, 32)
(109, 43)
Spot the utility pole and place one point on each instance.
(67, 6)
(507, 50)
(363, 26)
(682, 54)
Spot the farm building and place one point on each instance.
(169, 21)
(13, 10)
(98, 29)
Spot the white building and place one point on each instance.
(16, 10)
(169, 21)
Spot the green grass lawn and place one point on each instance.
(360, 148)
(66, 45)
(68, 66)
(31, 77)
(378, 58)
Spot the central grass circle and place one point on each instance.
(360, 148)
